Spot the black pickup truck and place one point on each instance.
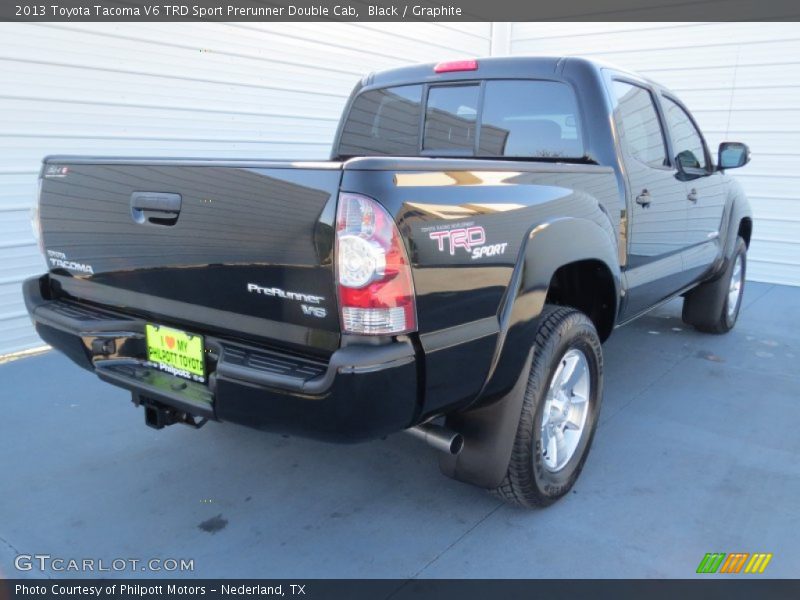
(481, 227)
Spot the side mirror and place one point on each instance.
(687, 160)
(733, 155)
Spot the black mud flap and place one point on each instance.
(489, 433)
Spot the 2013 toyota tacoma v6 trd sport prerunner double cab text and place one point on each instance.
(482, 226)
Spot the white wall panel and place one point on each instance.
(254, 90)
(742, 82)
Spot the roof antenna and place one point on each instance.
(733, 92)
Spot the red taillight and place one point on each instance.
(376, 292)
(36, 222)
(456, 65)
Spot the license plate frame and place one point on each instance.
(176, 351)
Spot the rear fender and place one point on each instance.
(490, 425)
(549, 246)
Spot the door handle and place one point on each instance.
(644, 199)
(692, 195)
(156, 208)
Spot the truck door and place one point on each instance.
(656, 202)
(705, 188)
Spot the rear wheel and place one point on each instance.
(559, 411)
(714, 306)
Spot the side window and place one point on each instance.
(640, 128)
(686, 140)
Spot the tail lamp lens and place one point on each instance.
(456, 65)
(36, 222)
(376, 292)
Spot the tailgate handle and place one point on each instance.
(156, 208)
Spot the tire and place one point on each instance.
(713, 307)
(536, 476)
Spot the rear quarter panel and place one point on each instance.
(467, 225)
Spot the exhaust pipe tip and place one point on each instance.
(456, 444)
(438, 437)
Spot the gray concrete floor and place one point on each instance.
(697, 451)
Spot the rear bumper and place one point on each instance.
(362, 392)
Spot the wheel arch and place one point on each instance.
(561, 261)
(745, 230)
(553, 252)
(738, 222)
(589, 286)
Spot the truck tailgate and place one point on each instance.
(238, 247)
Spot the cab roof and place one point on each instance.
(545, 67)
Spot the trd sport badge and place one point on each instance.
(472, 239)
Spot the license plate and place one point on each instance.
(176, 352)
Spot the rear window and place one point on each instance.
(537, 119)
(451, 116)
(383, 122)
(522, 119)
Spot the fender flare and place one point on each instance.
(737, 208)
(542, 254)
(490, 426)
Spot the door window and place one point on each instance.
(686, 140)
(640, 127)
